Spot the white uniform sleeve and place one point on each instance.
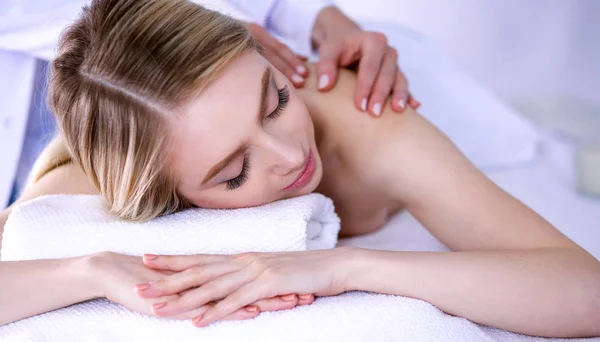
(33, 26)
(292, 20)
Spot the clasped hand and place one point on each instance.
(216, 287)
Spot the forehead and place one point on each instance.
(216, 122)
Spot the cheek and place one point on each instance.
(300, 120)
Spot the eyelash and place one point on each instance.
(238, 181)
(283, 95)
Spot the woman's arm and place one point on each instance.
(551, 292)
(29, 288)
(32, 287)
(513, 269)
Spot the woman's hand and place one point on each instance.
(239, 280)
(379, 76)
(280, 55)
(341, 42)
(119, 273)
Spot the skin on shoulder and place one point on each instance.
(66, 179)
(407, 159)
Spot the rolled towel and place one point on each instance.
(60, 226)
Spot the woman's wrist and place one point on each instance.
(377, 271)
(88, 271)
(354, 261)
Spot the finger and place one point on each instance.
(277, 303)
(239, 298)
(329, 55)
(247, 312)
(292, 59)
(368, 69)
(181, 262)
(284, 68)
(286, 54)
(384, 83)
(400, 93)
(212, 291)
(302, 58)
(190, 278)
(413, 103)
(306, 299)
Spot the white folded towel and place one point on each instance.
(350, 317)
(62, 226)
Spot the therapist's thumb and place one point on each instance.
(327, 66)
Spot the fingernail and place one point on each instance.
(377, 109)
(150, 256)
(304, 296)
(288, 297)
(142, 287)
(323, 81)
(297, 78)
(300, 69)
(402, 103)
(251, 308)
(158, 306)
(363, 104)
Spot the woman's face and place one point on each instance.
(246, 140)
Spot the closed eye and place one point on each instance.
(283, 95)
(238, 181)
(283, 98)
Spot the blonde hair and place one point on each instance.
(122, 70)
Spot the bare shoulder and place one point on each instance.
(66, 179)
(396, 146)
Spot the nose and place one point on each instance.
(285, 155)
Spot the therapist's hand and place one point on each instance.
(341, 42)
(280, 55)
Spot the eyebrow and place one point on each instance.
(214, 171)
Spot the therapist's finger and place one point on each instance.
(291, 66)
(413, 103)
(368, 69)
(383, 84)
(329, 56)
(279, 55)
(292, 59)
(284, 67)
(400, 96)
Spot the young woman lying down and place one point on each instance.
(164, 105)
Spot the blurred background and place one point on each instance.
(518, 48)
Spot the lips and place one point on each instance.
(306, 174)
